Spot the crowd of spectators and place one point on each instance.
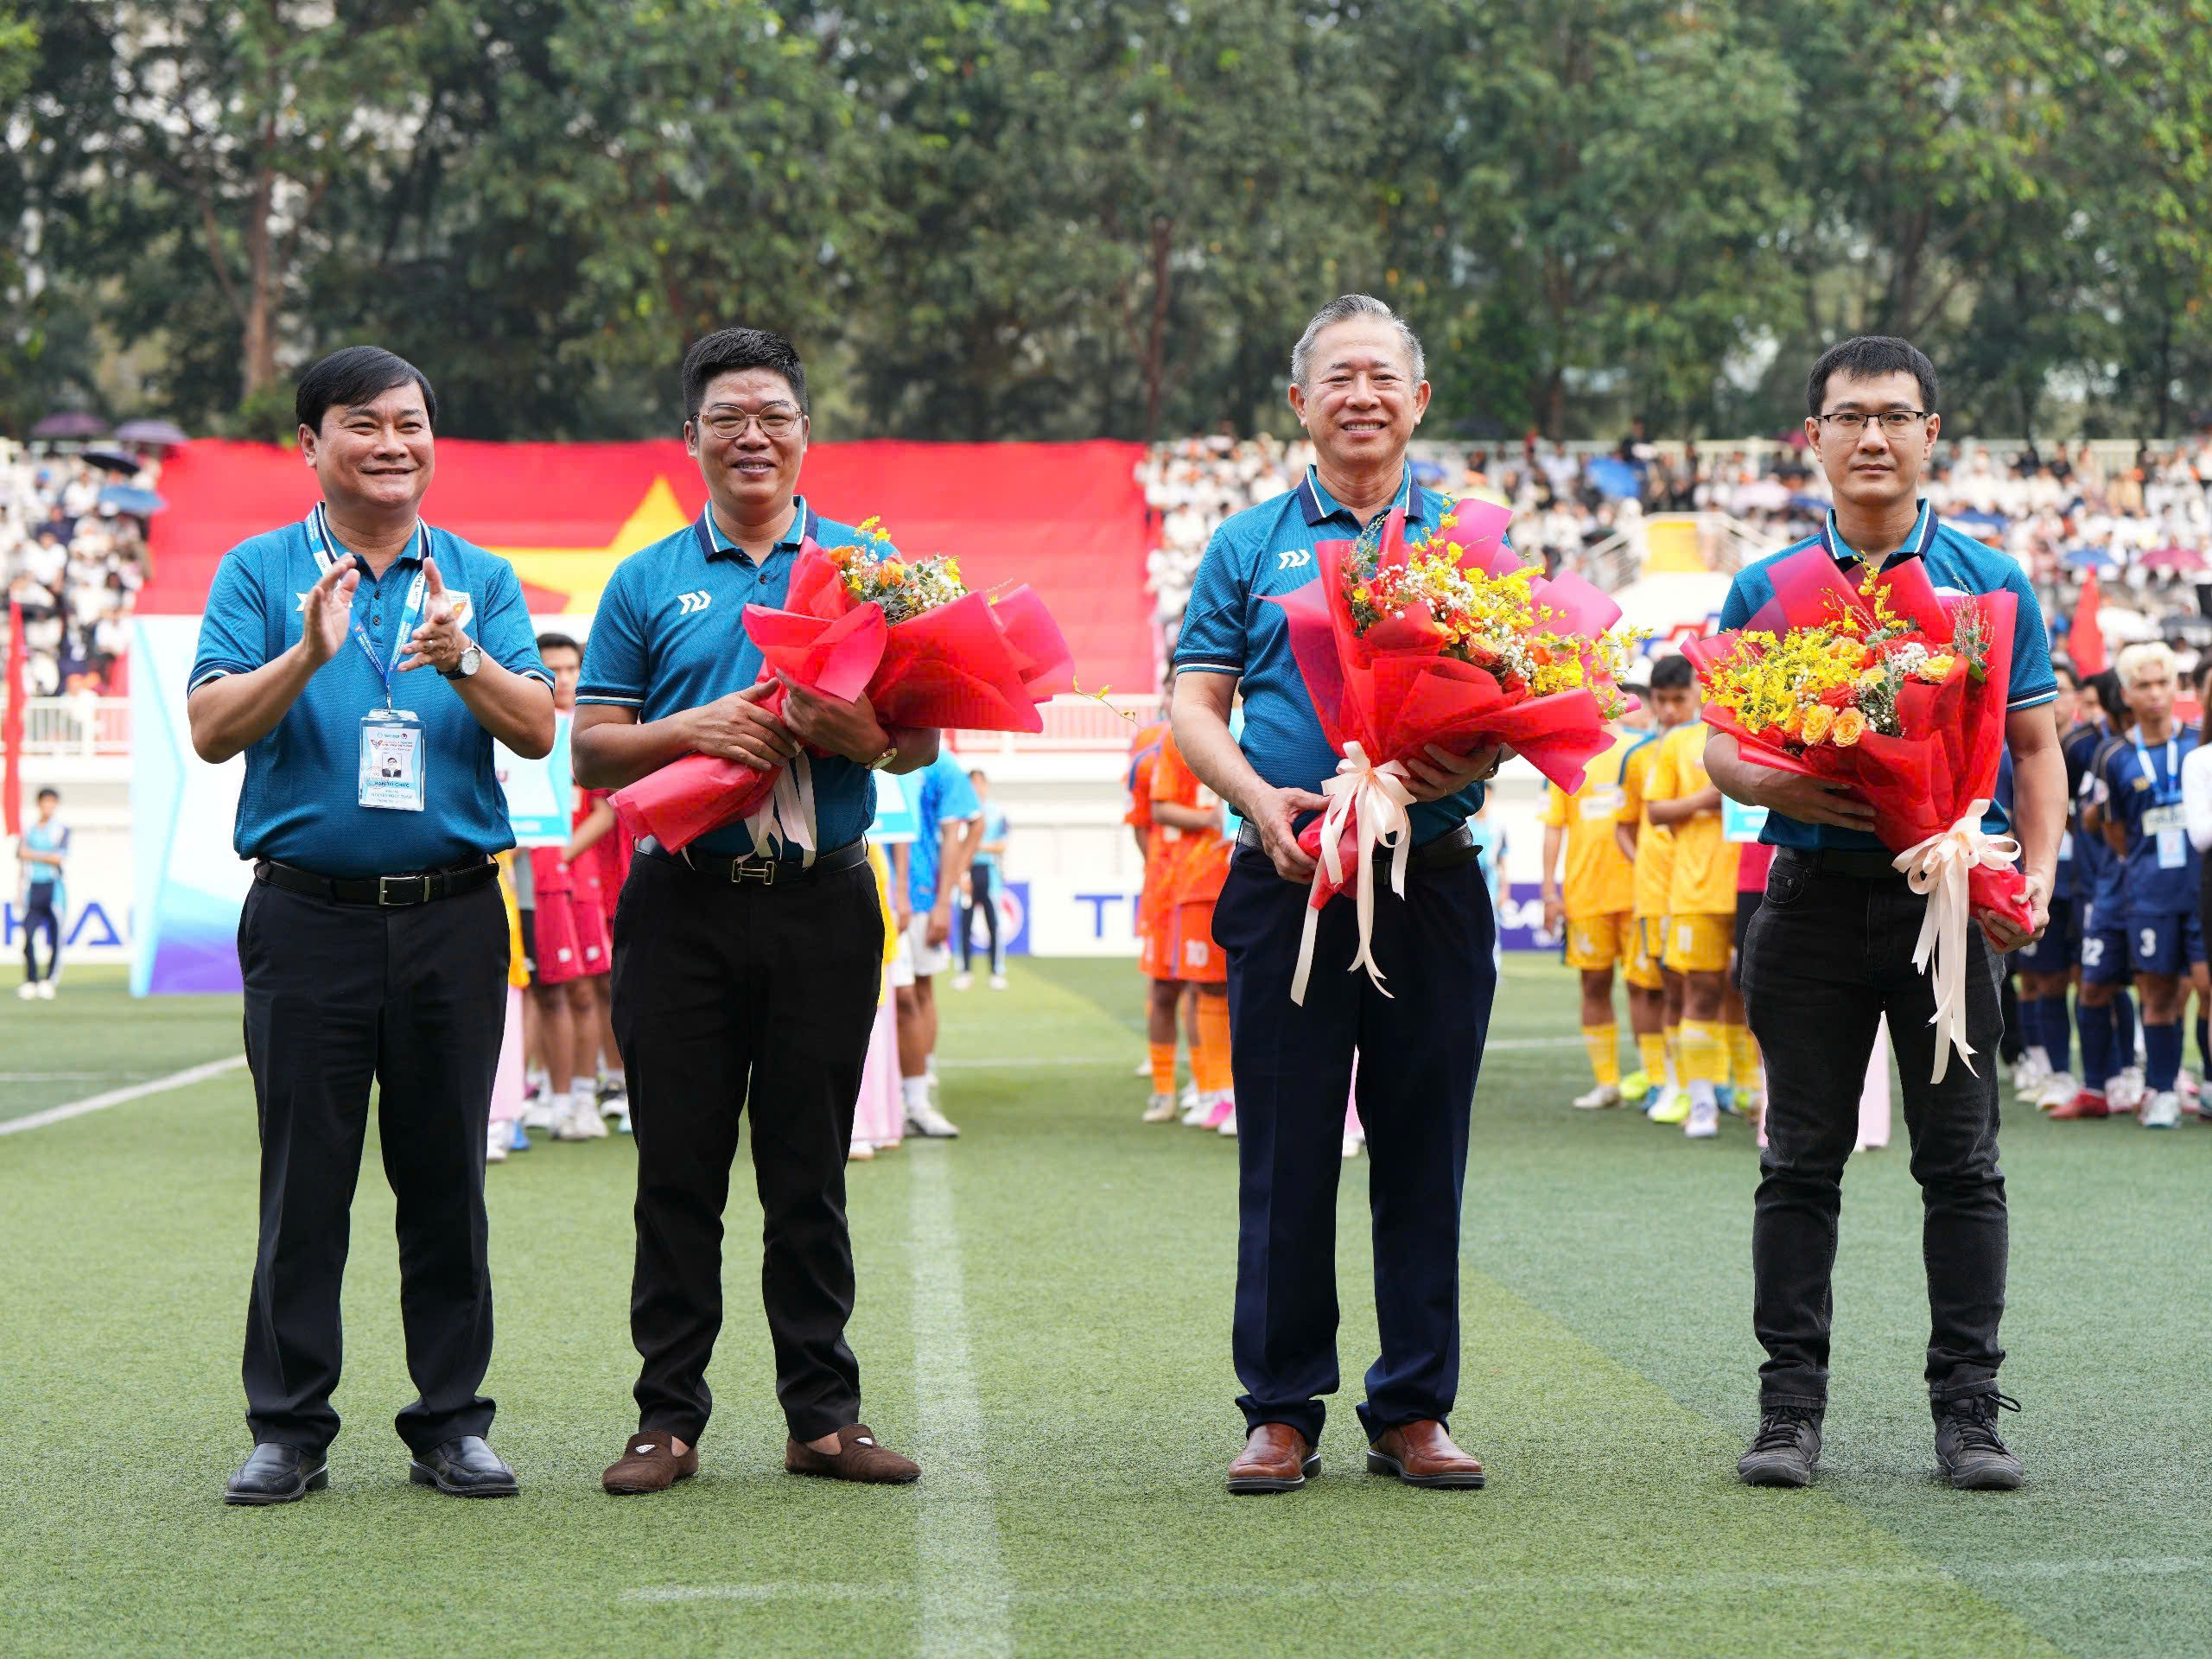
(2140, 515)
(73, 564)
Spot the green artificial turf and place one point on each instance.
(1043, 1320)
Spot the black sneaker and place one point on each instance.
(1784, 1451)
(1968, 1453)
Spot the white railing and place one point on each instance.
(76, 725)
(97, 725)
(1072, 723)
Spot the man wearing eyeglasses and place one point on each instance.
(745, 977)
(1831, 950)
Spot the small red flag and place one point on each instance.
(11, 729)
(2085, 638)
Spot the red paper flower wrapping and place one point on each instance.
(976, 664)
(1920, 783)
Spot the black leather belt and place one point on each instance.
(387, 891)
(767, 872)
(1854, 863)
(1438, 852)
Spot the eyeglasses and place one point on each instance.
(775, 423)
(1895, 421)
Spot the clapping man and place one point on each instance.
(373, 942)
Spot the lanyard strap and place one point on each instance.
(323, 545)
(2168, 788)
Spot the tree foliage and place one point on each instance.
(1060, 218)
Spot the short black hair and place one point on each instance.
(1866, 357)
(49, 793)
(1671, 673)
(357, 375)
(2060, 665)
(2110, 697)
(728, 350)
(557, 642)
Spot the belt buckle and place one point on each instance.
(761, 870)
(385, 895)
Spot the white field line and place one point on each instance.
(183, 1079)
(1672, 1586)
(967, 1601)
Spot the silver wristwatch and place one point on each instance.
(884, 759)
(472, 658)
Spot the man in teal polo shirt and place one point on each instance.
(745, 979)
(373, 942)
(1830, 953)
(1357, 387)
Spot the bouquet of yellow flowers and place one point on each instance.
(1452, 641)
(1887, 687)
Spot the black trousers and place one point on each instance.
(730, 999)
(413, 999)
(1420, 1050)
(1826, 956)
(983, 881)
(39, 917)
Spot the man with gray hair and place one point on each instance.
(1357, 386)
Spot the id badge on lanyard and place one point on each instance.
(392, 750)
(2166, 820)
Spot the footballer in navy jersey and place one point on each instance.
(2143, 824)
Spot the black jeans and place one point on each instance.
(737, 999)
(1420, 1048)
(415, 1000)
(1826, 956)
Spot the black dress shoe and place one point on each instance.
(467, 1467)
(278, 1474)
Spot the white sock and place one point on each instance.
(917, 1093)
(929, 1068)
(1701, 1095)
(2037, 1056)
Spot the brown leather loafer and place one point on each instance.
(649, 1464)
(1276, 1459)
(1421, 1454)
(859, 1457)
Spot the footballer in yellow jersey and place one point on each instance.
(1700, 917)
(1654, 997)
(1594, 906)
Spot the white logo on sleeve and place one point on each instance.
(1294, 558)
(692, 603)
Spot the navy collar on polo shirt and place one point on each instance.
(806, 522)
(1923, 532)
(1318, 506)
(321, 533)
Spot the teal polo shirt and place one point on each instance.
(670, 636)
(1229, 628)
(1957, 564)
(300, 802)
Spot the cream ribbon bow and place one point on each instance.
(1373, 799)
(1939, 868)
(787, 815)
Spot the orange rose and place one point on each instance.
(1850, 727)
(1818, 719)
(1793, 723)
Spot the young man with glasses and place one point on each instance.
(1830, 953)
(746, 977)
